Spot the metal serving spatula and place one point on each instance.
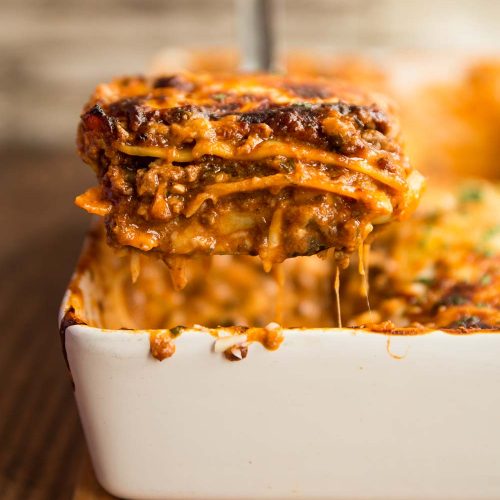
(256, 34)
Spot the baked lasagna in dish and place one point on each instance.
(233, 171)
(262, 165)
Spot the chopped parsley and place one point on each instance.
(177, 330)
(468, 322)
(425, 280)
(306, 105)
(471, 194)
(219, 97)
(487, 252)
(288, 166)
(492, 232)
(488, 235)
(485, 280)
(455, 299)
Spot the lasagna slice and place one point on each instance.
(263, 165)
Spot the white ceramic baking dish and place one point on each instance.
(332, 414)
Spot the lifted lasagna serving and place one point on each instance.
(262, 165)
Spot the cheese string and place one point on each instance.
(279, 278)
(337, 295)
(366, 266)
(363, 269)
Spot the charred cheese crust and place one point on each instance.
(259, 164)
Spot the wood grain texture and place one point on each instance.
(87, 487)
(41, 441)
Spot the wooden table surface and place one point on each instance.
(87, 487)
(41, 443)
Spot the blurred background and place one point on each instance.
(53, 52)
(52, 55)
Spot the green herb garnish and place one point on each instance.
(468, 322)
(485, 280)
(456, 299)
(470, 194)
(219, 97)
(485, 252)
(177, 330)
(306, 105)
(425, 281)
(288, 166)
(492, 232)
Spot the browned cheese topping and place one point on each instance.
(261, 165)
(440, 270)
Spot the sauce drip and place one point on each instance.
(177, 265)
(135, 266)
(391, 354)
